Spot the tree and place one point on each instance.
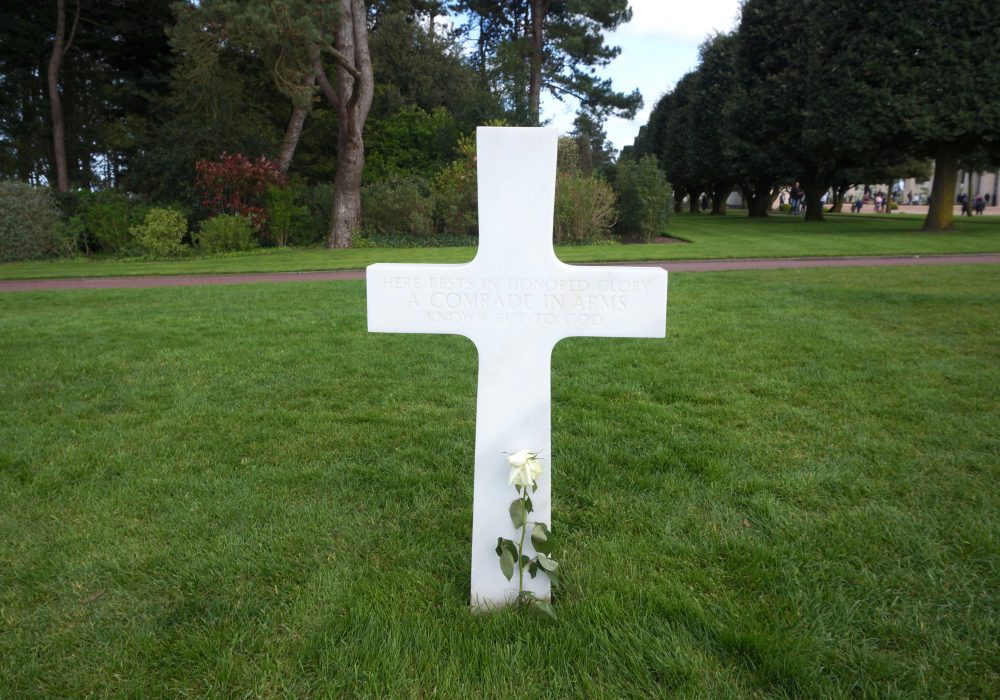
(352, 98)
(531, 46)
(60, 46)
(710, 141)
(944, 53)
(78, 79)
(291, 37)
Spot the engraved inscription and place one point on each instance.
(517, 301)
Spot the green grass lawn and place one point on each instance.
(733, 236)
(238, 491)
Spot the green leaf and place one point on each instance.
(533, 568)
(518, 515)
(499, 548)
(527, 504)
(525, 560)
(507, 564)
(545, 607)
(541, 539)
(549, 565)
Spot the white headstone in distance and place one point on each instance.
(515, 301)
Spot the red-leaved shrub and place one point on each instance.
(234, 184)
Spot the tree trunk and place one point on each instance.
(967, 205)
(355, 88)
(694, 205)
(720, 195)
(538, 10)
(941, 213)
(59, 49)
(292, 134)
(838, 198)
(678, 201)
(814, 207)
(757, 194)
(759, 205)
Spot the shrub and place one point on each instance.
(236, 185)
(28, 222)
(397, 206)
(104, 220)
(411, 141)
(584, 210)
(317, 199)
(784, 208)
(645, 199)
(226, 232)
(287, 220)
(455, 197)
(161, 232)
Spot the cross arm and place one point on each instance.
(406, 298)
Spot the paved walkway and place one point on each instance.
(670, 265)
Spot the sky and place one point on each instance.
(658, 46)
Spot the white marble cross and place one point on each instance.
(515, 301)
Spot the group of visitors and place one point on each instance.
(881, 201)
(978, 205)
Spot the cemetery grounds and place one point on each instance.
(240, 491)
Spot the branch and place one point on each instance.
(72, 32)
(324, 84)
(343, 61)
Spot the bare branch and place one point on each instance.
(325, 86)
(72, 32)
(343, 61)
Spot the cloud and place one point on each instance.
(687, 21)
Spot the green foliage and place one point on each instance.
(438, 240)
(513, 556)
(399, 205)
(226, 232)
(317, 199)
(288, 219)
(162, 232)
(572, 38)
(645, 199)
(584, 208)
(28, 222)
(411, 141)
(455, 197)
(104, 220)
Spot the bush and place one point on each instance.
(28, 222)
(455, 197)
(645, 199)
(784, 208)
(287, 220)
(436, 241)
(226, 232)
(161, 232)
(584, 208)
(397, 206)
(411, 141)
(236, 185)
(104, 220)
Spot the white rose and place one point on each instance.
(525, 467)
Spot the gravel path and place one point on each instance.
(672, 266)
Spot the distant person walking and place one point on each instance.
(796, 195)
(980, 204)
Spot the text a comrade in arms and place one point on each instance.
(516, 284)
